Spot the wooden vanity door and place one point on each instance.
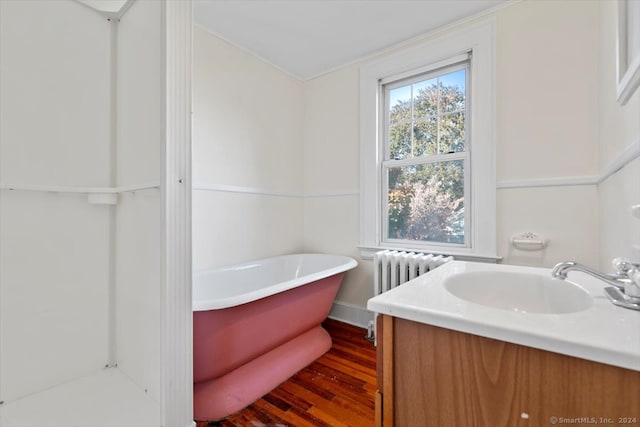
(433, 376)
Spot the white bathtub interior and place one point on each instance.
(261, 278)
(80, 214)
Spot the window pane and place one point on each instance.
(452, 133)
(400, 105)
(425, 137)
(426, 202)
(452, 91)
(400, 120)
(427, 117)
(400, 141)
(425, 98)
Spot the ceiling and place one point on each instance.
(307, 38)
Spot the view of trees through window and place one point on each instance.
(425, 158)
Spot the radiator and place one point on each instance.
(393, 268)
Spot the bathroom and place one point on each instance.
(274, 169)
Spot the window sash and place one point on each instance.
(453, 64)
(384, 199)
(456, 63)
(420, 160)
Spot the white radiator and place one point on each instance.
(393, 268)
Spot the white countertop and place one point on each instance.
(604, 333)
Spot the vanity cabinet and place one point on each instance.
(432, 376)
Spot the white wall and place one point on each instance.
(247, 121)
(331, 174)
(547, 128)
(54, 80)
(55, 75)
(138, 215)
(619, 131)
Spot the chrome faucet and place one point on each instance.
(625, 282)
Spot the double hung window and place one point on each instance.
(426, 156)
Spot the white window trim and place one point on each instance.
(480, 39)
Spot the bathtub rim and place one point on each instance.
(343, 264)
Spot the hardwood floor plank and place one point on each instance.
(364, 412)
(335, 375)
(307, 380)
(291, 398)
(273, 399)
(347, 410)
(356, 394)
(337, 390)
(328, 418)
(331, 361)
(264, 417)
(309, 415)
(289, 417)
(354, 358)
(309, 396)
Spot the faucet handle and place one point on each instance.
(630, 271)
(623, 266)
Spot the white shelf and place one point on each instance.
(72, 189)
(95, 195)
(104, 399)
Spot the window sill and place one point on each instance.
(366, 252)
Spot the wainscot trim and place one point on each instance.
(224, 188)
(629, 154)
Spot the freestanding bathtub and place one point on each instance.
(256, 324)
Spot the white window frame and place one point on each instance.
(386, 163)
(479, 39)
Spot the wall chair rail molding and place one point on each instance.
(345, 193)
(628, 61)
(631, 153)
(225, 188)
(548, 182)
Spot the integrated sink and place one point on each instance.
(521, 292)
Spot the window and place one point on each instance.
(427, 156)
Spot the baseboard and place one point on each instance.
(351, 314)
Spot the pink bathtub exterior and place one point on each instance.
(243, 352)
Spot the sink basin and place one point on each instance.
(523, 292)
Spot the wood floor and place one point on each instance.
(336, 390)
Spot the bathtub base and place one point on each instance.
(221, 397)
